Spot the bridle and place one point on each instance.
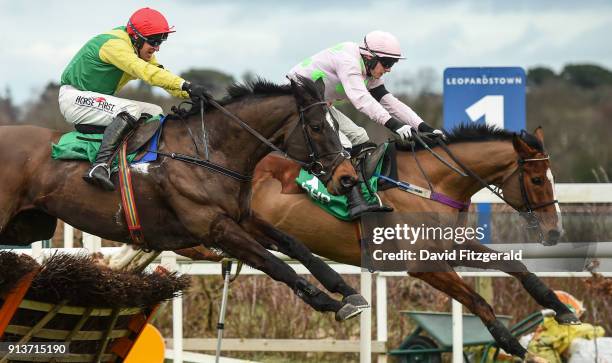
(313, 165)
(527, 209)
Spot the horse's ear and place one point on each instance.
(320, 86)
(298, 92)
(539, 134)
(521, 147)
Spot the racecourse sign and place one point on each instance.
(493, 95)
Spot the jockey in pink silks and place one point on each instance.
(354, 71)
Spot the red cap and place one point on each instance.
(147, 22)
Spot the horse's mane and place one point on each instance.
(259, 87)
(482, 133)
(264, 87)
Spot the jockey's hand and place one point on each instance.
(432, 133)
(197, 92)
(404, 131)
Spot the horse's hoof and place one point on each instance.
(357, 301)
(347, 311)
(568, 318)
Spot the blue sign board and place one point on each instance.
(491, 95)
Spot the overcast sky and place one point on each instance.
(268, 37)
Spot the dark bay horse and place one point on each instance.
(182, 205)
(501, 158)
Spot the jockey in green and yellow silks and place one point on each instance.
(101, 68)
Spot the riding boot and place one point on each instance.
(357, 204)
(99, 173)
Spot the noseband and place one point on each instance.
(527, 209)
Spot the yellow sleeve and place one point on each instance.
(120, 54)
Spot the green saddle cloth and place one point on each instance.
(78, 146)
(336, 205)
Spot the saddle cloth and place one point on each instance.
(76, 145)
(337, 205)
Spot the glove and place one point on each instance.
(433, 133)
(197, 92)
(404, 131)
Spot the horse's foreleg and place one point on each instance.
(268, 236)
(130, 259)
(233, 239)
(541, 293)
(451, 284)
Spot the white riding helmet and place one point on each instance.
(381, 44)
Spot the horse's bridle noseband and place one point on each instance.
(527, 209)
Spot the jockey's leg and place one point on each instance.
(118, 115)
(114, 134)
(360, 144)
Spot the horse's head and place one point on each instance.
(530, 188)
(313, 139)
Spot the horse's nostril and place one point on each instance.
(347, 181)
(553, 235)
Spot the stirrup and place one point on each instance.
(103, 165)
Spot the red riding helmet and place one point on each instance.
(147, 21)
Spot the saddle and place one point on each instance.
(83, 144)
(137, 139)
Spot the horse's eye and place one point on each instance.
(316, 128)
(537, 180)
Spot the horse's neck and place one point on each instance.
(234, 147)
(493, 161)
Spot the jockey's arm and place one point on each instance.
(350, 75)
(122, 56)
(399, 110)
(395, 107)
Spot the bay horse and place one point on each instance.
(183, 205)
(517, 164)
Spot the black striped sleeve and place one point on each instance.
(379, 92)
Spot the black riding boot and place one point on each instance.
(99, 173)
(357, 204)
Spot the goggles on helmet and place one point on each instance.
(387, 62)
(156, 39)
